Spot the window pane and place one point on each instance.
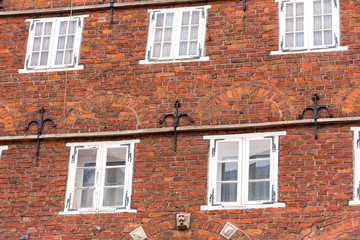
(63, 27)
(328, 22)
(72, 27)
(289, 25)
(327, 7)
(260, 149)
(299, 9)
(259, 170)
(39, 29)
(46, 43)
(185, 18)
(70, 43)
(317, 38)
(113, 197)
(159, 20)
(168, 34)
(36, 45)
(34, 59)
(43, 58)
(228, 151)
(47, 30)
(158, 35)
(193, 49)
(227, 171)
(61, 43)
(83, 198)
(194, 33)
(227, 192)
(157, 49)
(289, 10)
(300, 39)
(59, 58)
(183, 48)
(299, 24)
(184, 33)
(289, 40)
(259, 191)
(166, 50)
(68, 57)
(317, 7)
(317, 23)
(195, 17)
(169, 19)
(327, 37)
(115, 176)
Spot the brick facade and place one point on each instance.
(241, 89)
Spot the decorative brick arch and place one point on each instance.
(6, 118)
(278, 101)
(108, 100)
(348, 224)
(350, 99)
(202, 226)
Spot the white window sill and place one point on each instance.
(354, 203)
(228, 207)
(201, 59)
(98, 212)
(340, 48)
(79, 67)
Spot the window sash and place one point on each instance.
(316, 22)
(104, 164)
(243, 180)
(53, 40)
(180, 36)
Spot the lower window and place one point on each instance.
(100, 176)
(243, 170)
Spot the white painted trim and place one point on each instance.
(107, 143)
(340, 48)
(245, 135)
(98, 212)
(78, 67)
(201, 59)
(356, 166)
(250, 206)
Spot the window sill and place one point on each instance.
(98, 212)
(228, 207)
(79, 67)
(340, 48)
(354, 203)
(201, 59)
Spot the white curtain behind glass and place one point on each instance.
(41, 44)
(65, 44)
(322, 22)
(294, 25)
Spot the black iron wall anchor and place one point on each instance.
(176, 120)
(111, 8)
(40, 127)
(315, 109)
(3, 8)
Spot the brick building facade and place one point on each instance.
(239, 163)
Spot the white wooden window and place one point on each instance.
(53, 44)
(309, 25)
(100, 177)
(243, 171)
(177, 33)
(356, 166)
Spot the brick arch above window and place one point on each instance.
(238, 97)
(351, 99)
(6, 119)
(123, 107)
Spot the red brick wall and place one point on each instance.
(242, 83)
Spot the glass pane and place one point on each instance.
(158, 35)
(317, 38)
(116, 156)
(36, 45)
(327, 22)
(168, 34)
(228, 151)
(289, 10)
(59, 57)
(327, 37)
(34, 59)
(226, 192)
(72, 27)
(195, 17)
(113, 197)
(299, 9)
(194, 33)
(43, 58)
(46, 43)
(184, 33)
(47, 30)
(300, 39)
(83, 198)
(183, 48)
(317, 23)
(327, 7)
(317, 7)
(85, 177)
(157, 49)
(86, 157)
(70, 43)
(299, 24)
(115, 176)
(61, 43)
(259, 191)
(159, 20)
(192, 48)
(227, 171)
(259, 170)
(38, 29)
(289, 26)
(260, 149)
(289, 40)
(63, 26)
(169, 19)
(166, 50)
(68, 57)
(185, 18)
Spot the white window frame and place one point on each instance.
(50, 66)
(2, 148)
(176, 30)
(356, 166)
(308, 29)
(242, 189)
(99, 177)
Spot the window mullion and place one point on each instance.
(243, 171)
(309, 20)
(53, 43)
(176, 34)
(99, 176)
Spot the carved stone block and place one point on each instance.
(138, 234)
(183, 221)
(228, 231)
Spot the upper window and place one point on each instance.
(309, 25)
(177, 34)
(356, 166)
(243, 171)
(100, 177)
(53, 44)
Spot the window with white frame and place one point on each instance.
(53, 44)
(309, 25)
(243, 171)
(100, 177)
(177, 34)
(356, 166)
